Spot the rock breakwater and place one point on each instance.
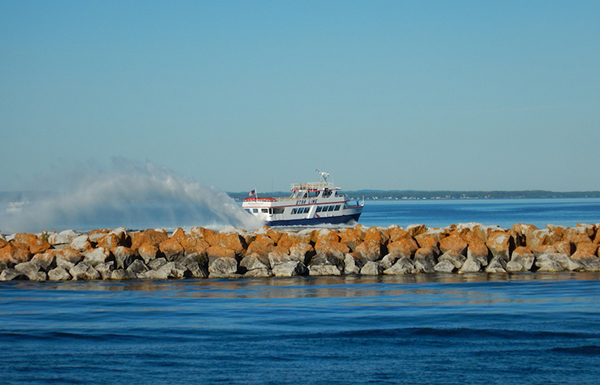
(202, 253)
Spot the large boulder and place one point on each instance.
(500, 245)
(64, 238)
(84, 271)
(521, 260)
(453, 244)
(171, 249)
(68, 258)
(401, 267)
(96, 256)
(326, 264)
(14, 253)
(150, 236)
(222, 266)
(403, 247)
(34, 243)
(478, 251)
(31, 270)
(59, 274)
(371, 268)
(289, 269)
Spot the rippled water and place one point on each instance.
(473, 329)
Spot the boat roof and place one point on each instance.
(314, 186)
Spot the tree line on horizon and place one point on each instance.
(442, 194)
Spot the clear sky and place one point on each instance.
(420, 95)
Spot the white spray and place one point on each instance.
(133, 195)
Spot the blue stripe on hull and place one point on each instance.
(316, 221)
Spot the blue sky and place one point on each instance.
(435, 95)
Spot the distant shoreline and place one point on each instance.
(440, 195)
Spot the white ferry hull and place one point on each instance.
(310, 204)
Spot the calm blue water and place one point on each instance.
(501, 212)
(473, 329)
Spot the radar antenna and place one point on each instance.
(324, 175)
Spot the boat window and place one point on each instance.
(306, 209)
(313, 194)
(278, 210)
(331, 208)
(265, 210)
(319, 209)
(337, 207)
(294, 211)
(249, 210)
(255, 210)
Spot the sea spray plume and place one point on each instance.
(131, 194)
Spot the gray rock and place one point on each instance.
(253, 262)
(81, 243)
(551, 262)
(471, 265)
(31, 270)
(222, 266)
(402, 267)
(325, 264)
(424, 266)
(11, 274)
(351, 265)
(27, 268)
(197, 270)
(157, 263)
(124, 256)
(3, 265)
(59, 274)
(497, 265)
(105, 269)
(289, 269)
(138, 267)
(62, 238)
(456, 259)
(575, 265)
(590, 264)
(122, 274)
(44, 261)
(444, 266)
(84, 270)
(389, 260)
(96, 256)
(258, 273)
(371, 268)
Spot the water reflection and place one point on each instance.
(307, 287)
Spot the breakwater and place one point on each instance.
(202, 253)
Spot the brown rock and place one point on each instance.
(14, 253)
(171, 249)
(229, 240)
(36, 245)
(453, 244)
(415, 230)
(577, 235)
(478, 251)
(218, 251)
(429, 240)
(500, 245)
(564, 247)
(352, 237)
(194, 245)
(328, 243)
(150, 236)
(148, 252)
(405, 247)
(397, 233)
(586, 251)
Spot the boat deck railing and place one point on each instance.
(313, 186)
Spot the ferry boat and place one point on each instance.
(310, 204)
